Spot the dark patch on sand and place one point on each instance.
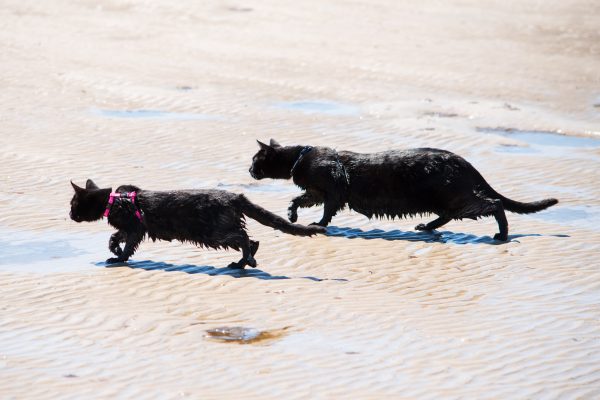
(239, 9)
(440, 114)
(243, 335)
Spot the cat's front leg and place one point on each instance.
(114, 242)
(133, 240)
(305, 200)
(293, 212)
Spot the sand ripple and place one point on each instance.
(171, 95)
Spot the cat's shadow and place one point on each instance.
(419, 236)
(150, 265)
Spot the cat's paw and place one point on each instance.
(318, 224)
(292, 215)
(115, 260)
(501, 237)
(235, 265)
(421, 227)
(117, 251)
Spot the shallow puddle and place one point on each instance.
(49, 252)
(587, 217)
(244, 335)
(319, 107)
(19, 252)
(154, 115)
(543, 138)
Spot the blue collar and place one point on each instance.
(303, 152)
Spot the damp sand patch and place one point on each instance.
(143, 114)
(319, 107)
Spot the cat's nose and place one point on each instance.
(74, 218)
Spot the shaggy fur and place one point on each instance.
(394, 183)
(210, 218)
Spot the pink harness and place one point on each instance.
(128, 195)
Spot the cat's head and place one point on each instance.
(89, 203)
(270, 162)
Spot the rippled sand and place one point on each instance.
(171, 95)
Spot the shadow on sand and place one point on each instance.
(149, 265)
(427, 237)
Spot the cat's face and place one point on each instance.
(88, 203)
(268, 162)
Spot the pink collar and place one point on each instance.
(128, 195)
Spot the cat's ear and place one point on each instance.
(89, 184)
(77, 188)
(273, 143)
(263, 146)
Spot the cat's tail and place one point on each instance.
(521, 207)
(526, 208)
(267, 218)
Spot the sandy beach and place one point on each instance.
(173, 95)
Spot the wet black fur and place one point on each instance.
(210, 218)
(396, 183)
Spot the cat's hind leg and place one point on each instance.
(502, 221)
(249, 248)
(254, 246)
(331, 207)
(436, 223)
(485, 206)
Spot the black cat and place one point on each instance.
(394, 183)
(210, 218)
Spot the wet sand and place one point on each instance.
(169, 96)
